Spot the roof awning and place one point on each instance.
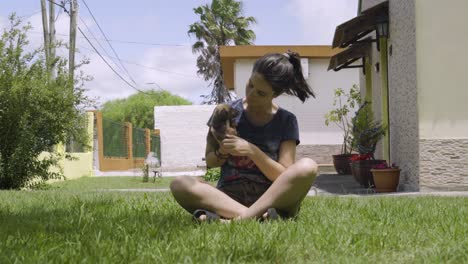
(345, 58)
(358, 27)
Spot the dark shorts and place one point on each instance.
(247, 192)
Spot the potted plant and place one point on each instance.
(366, 133)
(344, 103)
(386, 177)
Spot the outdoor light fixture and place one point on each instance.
(381, 29)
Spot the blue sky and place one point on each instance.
(169, 62)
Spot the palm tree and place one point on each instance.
(220, 24)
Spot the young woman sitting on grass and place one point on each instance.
(259, 174)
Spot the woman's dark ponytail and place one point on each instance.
(284, 73)
(302, 89)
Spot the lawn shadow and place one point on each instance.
(85, 216)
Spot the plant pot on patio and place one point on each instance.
(341, 163)
(362, 171)
(366, 133)
(344, 102)
(386, 178)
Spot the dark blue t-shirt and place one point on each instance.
(268, 138)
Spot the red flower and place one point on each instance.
(367, 156)
(384, 165)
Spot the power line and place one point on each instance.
(149, 43)
(149, 67)
(131, 42)
(105, 61)
(31, 14)
(99, 43)
(58, 15)
(107, 40)
(120, 76)
(62, 6)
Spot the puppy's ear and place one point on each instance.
(214, 116)
(210, 121)
(233, 113)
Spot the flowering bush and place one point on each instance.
(357, 157)
(384, 165)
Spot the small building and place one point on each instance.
(183, 132)
(413, 71)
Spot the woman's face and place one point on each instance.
(258, 91)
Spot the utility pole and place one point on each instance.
(45, 26)
(52, 39)
(73, 13)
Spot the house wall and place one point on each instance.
(82, 164)
(402, 86)
(317, 140)
(441, 38)
(183, 133)
(428, 123)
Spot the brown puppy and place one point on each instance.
(221, 124)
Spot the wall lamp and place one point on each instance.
(381, 29)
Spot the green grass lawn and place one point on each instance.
(65, 225)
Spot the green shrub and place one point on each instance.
(366, 131)
(138, 108)
(212, 174)
(344, 103)
(37, 111)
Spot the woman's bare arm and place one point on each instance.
(270, 168)
(213, 161)
(273, 169)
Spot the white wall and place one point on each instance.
(183, 135)
(441, 42)
(310, 115)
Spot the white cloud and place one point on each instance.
(106, 85)
(177, 71)
(3, 23)
(172, 69)
(177, 65)
(319, 18)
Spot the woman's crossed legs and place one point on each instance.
(286, 194)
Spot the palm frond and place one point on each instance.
(220, 23)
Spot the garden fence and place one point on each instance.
(122, 146)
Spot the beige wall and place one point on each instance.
(82, 164)
(402, 89)
(427, 94)
(441, 41)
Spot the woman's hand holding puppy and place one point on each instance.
(236, 146)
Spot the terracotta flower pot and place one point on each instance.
(386, 180)
(341, 163)
(362, 171)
